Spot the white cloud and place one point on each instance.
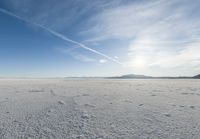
(128, 21)
(62, 37)
(149, 55)
(123, 21)
(161, 33)
(83, 58)
(188, 57)
(116, 57)
(164, 34)
(103, 61)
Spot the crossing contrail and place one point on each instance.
(61, 36)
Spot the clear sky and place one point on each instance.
(59, 38)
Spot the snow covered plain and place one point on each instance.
(99, 109)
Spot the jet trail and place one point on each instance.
(61, 36)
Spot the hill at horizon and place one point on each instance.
(135, 76)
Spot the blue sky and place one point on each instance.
(99, 38)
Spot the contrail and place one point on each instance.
(61, 36)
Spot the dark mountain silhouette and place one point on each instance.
(134, 76)
(131, 76)
(197, 76)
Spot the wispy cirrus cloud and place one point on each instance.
(129, 21)
(83, 58)
(62, 15)
(156, 35)
(165, 34)
(76, 55)
(61, 36)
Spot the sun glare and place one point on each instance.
(139, 62)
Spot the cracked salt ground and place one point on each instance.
(95, 109)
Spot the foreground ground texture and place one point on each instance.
(100, 109)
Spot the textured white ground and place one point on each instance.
(100, 109)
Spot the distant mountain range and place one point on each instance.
(131, 76)
(134, 76)
(127, 76)
(197, 76)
